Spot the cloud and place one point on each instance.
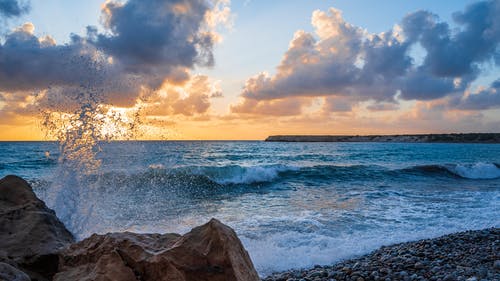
(147, 36)
(313, 67)
(28, 62)
(13, 8)
(146, 43)
(189, 99)
(452, 54)
(483, 99)
(277, 107)
(382, 107)
(338, 104)
(341, 60)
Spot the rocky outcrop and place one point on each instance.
(438, 138)
(30, 233)
(35, 245)
(209, 252)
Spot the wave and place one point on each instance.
(467, 171)
(235, 174)
(477, 171)
(210, 178)
(29, 164)
(82, 201)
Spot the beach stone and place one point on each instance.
(30, 232)
(418, 265)
(211, 252)
(496, 265)
(10, 273)
(449, 277)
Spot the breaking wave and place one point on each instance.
(234, 174)
(467, 171)
(206, 177)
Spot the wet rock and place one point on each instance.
(496, 265)
(418, 265)
(30, 232)
(209, 252)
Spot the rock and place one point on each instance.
(10, 273)
(418, 265)
(30, 232)
(449, 277)
(496, 265)
(209, 252)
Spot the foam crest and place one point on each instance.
(235, 174)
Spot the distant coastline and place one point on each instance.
(425, 138)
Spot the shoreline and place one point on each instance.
(472, 255)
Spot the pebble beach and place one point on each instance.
(464, 256)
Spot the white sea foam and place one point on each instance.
(292, 250)
(156, 166)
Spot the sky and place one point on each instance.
(220, 69)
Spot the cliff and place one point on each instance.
(431, 138)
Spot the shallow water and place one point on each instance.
(292, 204)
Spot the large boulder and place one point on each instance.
(209, 252)
(30, 232)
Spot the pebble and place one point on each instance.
(496, 265)
(464, 256)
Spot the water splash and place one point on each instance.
(80, 134)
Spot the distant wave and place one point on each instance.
(235, 174)
(466, 171)
(29, 164)
(476, 171)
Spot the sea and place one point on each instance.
(293, 205)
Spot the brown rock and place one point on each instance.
(209, 252)
(30, 232)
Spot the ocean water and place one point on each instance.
(293, 205)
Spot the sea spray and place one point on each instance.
(80, 134)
